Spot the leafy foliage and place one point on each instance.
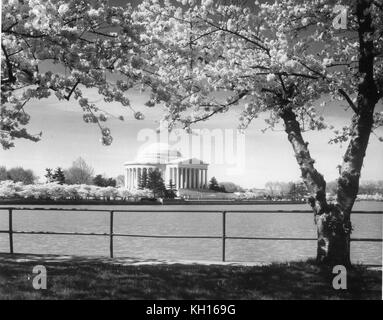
(143, 182)
(214, 186)
(58, 176)
(17, 174)
(100, 181)
(156, 183)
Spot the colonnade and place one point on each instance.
(180, 177)
(188, 178)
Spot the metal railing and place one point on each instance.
(111, 234)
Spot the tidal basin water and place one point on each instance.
(198, 224)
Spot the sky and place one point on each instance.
(257, 158)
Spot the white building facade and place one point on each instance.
(182, 173)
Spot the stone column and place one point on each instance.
(204, 178)
(131, 178)
(185, 177)
(197, 179)
(191, 178)
(173, 176)
(187, 182)
(179, 176)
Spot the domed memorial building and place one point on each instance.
(183, 173)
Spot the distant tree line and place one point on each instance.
(289, 190)
(369, 187)
(296, 190)
(215, 186)
(17, 174)
(79, 173)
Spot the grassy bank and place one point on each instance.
(92, 278)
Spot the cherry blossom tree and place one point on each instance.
(87, 41)
(278, 58)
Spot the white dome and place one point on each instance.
(157, 153)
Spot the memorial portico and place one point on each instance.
(182, 173)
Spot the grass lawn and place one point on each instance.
(97, 278)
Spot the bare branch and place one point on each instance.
(222, 107)
(350, 102)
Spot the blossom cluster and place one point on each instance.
(55, 191)
(211, 56)
(87, 41)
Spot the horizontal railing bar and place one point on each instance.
(174, 211)
(179, 236)
(115, 235)
(300, 239)
(60, 233)
(165, 236)
(367, 239)
(53, 209)
(107, 210)
(269, 238)
(295, 211)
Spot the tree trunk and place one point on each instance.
(334, 220)
(363, 119)
(333, 239)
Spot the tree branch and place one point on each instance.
(347, 97)
(222, 106)
(11, 77)
(72, 90)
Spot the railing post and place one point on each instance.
(10, 231)
(224, 236)
(111, 234)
